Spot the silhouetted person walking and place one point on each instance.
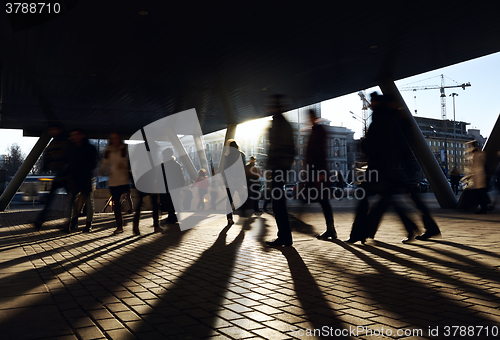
(280, 158)
(83, 160)
(252, 172)
(318, 173)
(479, 178)
(202, 183)
(116, 164)
(55, 161)
(173, 171)
(166, 176)
(232, 153)
(385, 147)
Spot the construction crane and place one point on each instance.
(441, 90)
(364, 111)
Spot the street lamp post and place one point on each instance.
(454, 130)
(362, 120)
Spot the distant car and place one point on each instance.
(339, 191)
(289, 190)
(423, 186)
(349, 189)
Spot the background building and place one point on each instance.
(476, 134)
(339, 145)
(440, 138)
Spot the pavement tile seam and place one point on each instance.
(316, 256)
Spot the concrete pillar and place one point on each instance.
(231, 121)
(198, 142)
(421, 150)
(24, 170)
(491, 149)
(183, 156)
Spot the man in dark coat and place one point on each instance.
(233, 154)
(281, 155)
(166, 176)
(318, 173)
(385, 150)
(174, 179)
(55, 161)
(83, 160)
(390, 155)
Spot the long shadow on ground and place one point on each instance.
(199, 292)
(313, 302)
(409, 304)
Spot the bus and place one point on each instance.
(34, 189)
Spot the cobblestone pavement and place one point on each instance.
(212, 281)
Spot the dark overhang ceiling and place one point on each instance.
(102, 66)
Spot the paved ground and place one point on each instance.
(223, 283)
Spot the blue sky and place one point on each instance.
(478, 104)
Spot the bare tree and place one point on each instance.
(14, 159)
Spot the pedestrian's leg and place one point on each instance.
(431, 227)
(328, 213)
(266, 203)
(410, 226)
(41, 218)
(89, 203)
(171, 218)
(74, 199)
(483, 199)
(255, 196)
(256, 205)
(229, 207)
(128, 199)
(137, 214)
(279, 209)
(201, 203)
(116, 194)
(375, 215)
(359, 226)
(156, 213)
